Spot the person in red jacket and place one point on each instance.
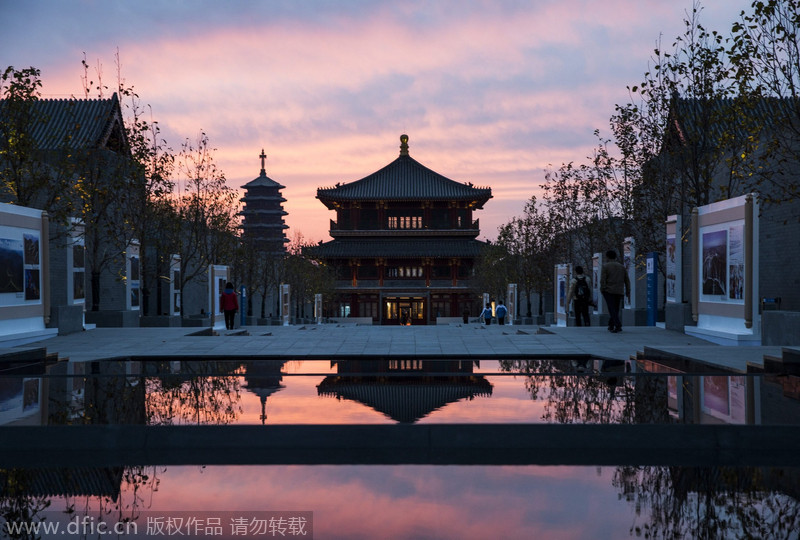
(229, 304)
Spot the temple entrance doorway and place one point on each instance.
(404, 310)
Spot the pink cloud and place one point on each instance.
(408, 501)
(489, 93)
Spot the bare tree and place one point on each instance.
(765, 53)
(493, 271)
(306, 274)
(689, 100)
(146, 210)
(528, 242)
(32, 164)
(205, 229)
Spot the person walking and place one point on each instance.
(500, 312)
(486, 314)
(229, 305)
(581, 294)
(614, 283)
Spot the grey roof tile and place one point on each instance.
(72, 123)
(405, 179)
(263, 181)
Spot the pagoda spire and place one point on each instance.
(263, 157)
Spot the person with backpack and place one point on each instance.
(486, 314)
(500, 312)
(580, 292)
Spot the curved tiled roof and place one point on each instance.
(263, 181)
(398, 248)
(73, 123)
(405, 179)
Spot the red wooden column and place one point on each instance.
(426, 265)
(454, 311)
(354, 272)
(355, 215)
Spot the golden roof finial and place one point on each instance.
(404, 145)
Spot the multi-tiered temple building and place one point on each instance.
(404, 243)
(262, 215)
(263, 231)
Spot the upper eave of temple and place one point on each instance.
(404, 179)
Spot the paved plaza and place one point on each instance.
(349, 340)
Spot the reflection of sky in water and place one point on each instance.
(318, 392)
(299, 403)
(314, 392)
(397, 502)
(466, 502)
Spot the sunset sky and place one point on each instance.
(488, 92)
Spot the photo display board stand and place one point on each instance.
(677, 310)
(634, 312)
(25, 274)
(563, 273)
(725, 272)
(285, 303)
(511, 303)
(219, 277)
(318, 308)
(599, 315)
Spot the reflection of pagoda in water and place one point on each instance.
(263, 379)
(405, 390)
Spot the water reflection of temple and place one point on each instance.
(263, 379)
(405, 390)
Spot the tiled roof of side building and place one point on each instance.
(405, 179)
(398, 248)
(73, 123)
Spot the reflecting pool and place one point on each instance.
(413, 502)
(378, 391)
(525, 492)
